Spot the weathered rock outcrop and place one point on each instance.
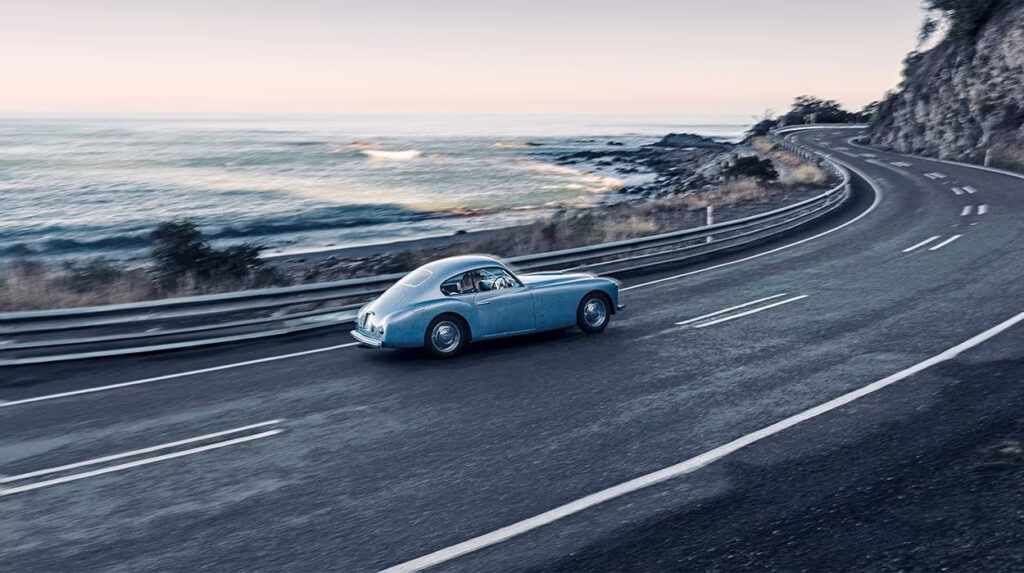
(963, 98)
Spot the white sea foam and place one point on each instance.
(580, 180)
(403, 155)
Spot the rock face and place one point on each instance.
(963, 98)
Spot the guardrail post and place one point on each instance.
(710, 221)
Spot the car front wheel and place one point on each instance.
(593, 313)
(446, 336)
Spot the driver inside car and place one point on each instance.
(470, 282)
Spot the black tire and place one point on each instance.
(594, 313)
(446, 336)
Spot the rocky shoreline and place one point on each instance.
(687, 173)
(679, 162)
(677, 178)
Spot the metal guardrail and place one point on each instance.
(70, 334)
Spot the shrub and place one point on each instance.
(182, 256)
(752, 167)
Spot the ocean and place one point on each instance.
(84, 187)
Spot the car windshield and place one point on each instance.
(497, 279)
(416, 278)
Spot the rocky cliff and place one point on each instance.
(963, 98)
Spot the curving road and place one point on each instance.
(309, 454)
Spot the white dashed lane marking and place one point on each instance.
(944, 243)
(921, 244)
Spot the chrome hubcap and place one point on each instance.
(445, 336)
(595, 312)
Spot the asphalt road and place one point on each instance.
(329, 457)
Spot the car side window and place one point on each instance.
(464, 283)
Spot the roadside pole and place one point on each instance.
(710, 221)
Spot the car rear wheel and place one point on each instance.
(593, 313)
(446, 336)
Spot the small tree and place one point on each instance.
(807, 107)
(762, 128)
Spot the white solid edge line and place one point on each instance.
(982, 209)
(921, 244)
(874, 204)
(751, 311)
(171, 376)
(133, 453)
(944, 243)
(143, 462)
(730, 309)
(692, 464)
(967, 210)
(948, 162)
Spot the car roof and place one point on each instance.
(445, 268)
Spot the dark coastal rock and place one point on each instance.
(690, 140)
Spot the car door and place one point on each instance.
(507, 309)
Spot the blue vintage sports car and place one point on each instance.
(449, 303)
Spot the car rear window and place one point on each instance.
(416, 278)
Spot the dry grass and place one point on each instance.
(738, 191)
(762, 144)
(25, 286)
(804, 174)
(625, 221)
(632, 227)
(795, 171)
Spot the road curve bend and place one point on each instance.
(312, 454)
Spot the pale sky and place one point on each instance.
(694, 57)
